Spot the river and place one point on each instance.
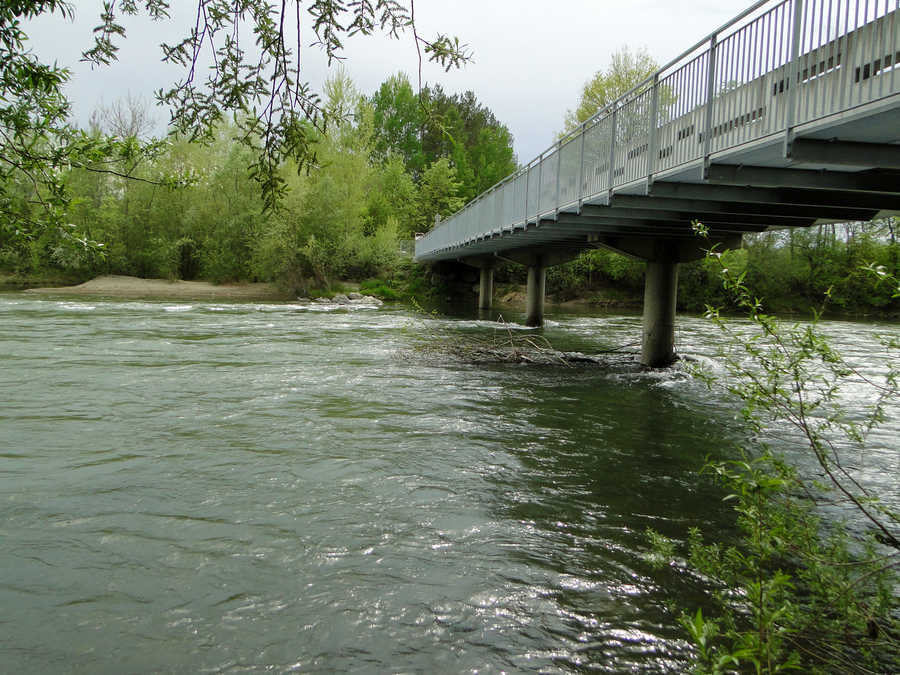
(197, 487)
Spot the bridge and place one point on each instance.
(786, 116)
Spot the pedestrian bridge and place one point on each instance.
(787, 116)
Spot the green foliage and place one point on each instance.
(594, 270)
(277, 116)
(399, 119)
(796, 592)
(381, 288)
(423, 128)
(795, 269)
(352, 217)
(394, 195)
(438, 194)
(626, 70)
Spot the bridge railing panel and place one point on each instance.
(486, 213)
(632, 139)
(597, 141)
(520, 192)
(497, 214)
(480, 222)
(777, 65)
(532, 189)
(681, 94)
(739, 97)
(570, 163)
(549, 174)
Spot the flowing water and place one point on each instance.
(190, 487)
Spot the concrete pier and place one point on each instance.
(537, 277)
(660, 294)
(486, 288)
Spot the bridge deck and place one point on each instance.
(787, 116)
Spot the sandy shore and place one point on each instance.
(161, 289)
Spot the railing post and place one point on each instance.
(581, 168)
(710, 99)
(793, 80)
(540, 188)
(558, 171)
(654, 124)
(612, 155)
(527, 190)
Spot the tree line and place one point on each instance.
(383, 168)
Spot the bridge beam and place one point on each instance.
(773, 177)
(534, 293)
(882, 155)
(767, 195)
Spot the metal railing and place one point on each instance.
(775, 66)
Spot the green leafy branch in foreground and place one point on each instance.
(798, 592)
(250, 53)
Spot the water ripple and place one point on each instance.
(208, 487)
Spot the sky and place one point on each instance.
(531, 58)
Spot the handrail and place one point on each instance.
(724, 90)
(638, 87)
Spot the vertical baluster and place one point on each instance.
(770, 67)
(729, 96)
(858, 60)
(870, 29)
(558, 171)
(580, 183)
(612, 153)
(710, 98)
(830, 56)
(793, 72)
(895, 46)
(821, 61)
(744, 106)
(844, 76)
(882, 50)
(654, 123)
(527, 193)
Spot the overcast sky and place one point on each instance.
(531, 57)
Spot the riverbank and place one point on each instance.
(511, 296)
(117, 286)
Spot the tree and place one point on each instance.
(278, 113)
(398, 119)
(126, 118)
(466, 131)
(439, 193)
(626, 70)
(425, 127)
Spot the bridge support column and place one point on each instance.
(534, 306)
(660, 294)
(486, 288)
